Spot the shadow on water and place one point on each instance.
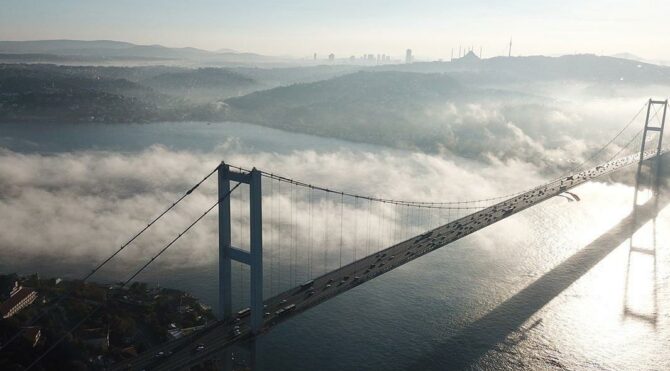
(641, 259)
(504, 323)
(484, 334)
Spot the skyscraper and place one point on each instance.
(408, 56)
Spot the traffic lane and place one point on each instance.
(211, 344)
(169, 347)
(373, 265)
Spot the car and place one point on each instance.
(160, 354)
(283, 301)
(328, 286)
(311, 292)
(199, 348)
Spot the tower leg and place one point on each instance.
(642, 147)
(256, 229)
(225, 285)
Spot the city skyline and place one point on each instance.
(300, 28)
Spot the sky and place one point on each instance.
(431, 28)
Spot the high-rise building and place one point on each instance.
(331, 57)
(408, 56)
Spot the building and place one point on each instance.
(331, 57)
(32, 334)
(471, 59)
(175, 333)
(408, 56)
(20, 297)
(96, 338)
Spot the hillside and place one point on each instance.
(203, 84)
(399, 109)
(34, 94)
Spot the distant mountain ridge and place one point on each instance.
(109, 49)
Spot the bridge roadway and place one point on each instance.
(182, 353)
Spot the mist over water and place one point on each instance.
(89, 186)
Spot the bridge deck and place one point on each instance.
(180, 354)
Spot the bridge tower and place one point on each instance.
(227, 252)
(656, 163)
(642, 242)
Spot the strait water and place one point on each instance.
(531, 292)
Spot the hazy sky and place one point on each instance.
(345, 27)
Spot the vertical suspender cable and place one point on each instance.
(272, 234)
(325, 235)
(281, 237)
(290, 247)
(367, 238)
(311, 240)
(341, 221)
(355, 227)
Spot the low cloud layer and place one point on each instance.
(84, 204)
(81, 206)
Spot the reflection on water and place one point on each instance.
(567, 315)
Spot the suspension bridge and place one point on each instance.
(296, 245)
